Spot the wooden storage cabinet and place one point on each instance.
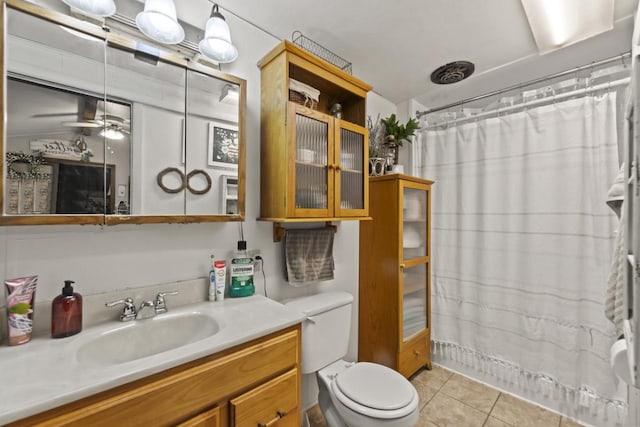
(394, 291)
(314, 166)
(224, 389)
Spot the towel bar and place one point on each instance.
(279, 231)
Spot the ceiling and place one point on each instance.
(396, 45)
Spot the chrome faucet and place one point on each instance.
(161, 305)
(128, 311)
(140, 314)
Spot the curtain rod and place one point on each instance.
(614, 84)
(621, 56)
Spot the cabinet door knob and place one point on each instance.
(331, 167)
(338, 167)
(416, 352)
(402, 266)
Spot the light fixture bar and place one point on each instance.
(101, 8)
(127, 24)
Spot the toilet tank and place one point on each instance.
(325, 332)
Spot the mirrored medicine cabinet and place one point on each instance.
(102, 128)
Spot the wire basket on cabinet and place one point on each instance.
(320, 51)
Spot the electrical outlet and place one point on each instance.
(257, 265)
(253, 253)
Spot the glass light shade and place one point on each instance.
(159, 22)
(112, 133)
(216, 43)
(93, 7)
(559, 23)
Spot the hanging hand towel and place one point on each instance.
(614, 296)
(615, 305)
(615, 195)
(308, 255)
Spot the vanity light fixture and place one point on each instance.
(159, 22)
(230, 94)
(216, 43)
(102, 8)
(559, 23)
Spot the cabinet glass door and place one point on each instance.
(414, 300)
(313, 182)
(414, 223)
(351, 179)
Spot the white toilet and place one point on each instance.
(351, 394)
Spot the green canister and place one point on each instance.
(241, 273)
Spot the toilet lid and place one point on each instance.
(375, 386)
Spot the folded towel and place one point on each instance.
(614, 305)
(308, 255)
(304, 89)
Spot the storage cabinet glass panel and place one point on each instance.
(352, 167)
(414, 234)
(312, 138)
(414, 300)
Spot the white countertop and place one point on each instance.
(45, 373)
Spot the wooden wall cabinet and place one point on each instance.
(314, 166)
(257, 383)
(394, 292)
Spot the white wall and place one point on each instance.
(103, 259)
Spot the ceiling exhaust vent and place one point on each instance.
(452, 72)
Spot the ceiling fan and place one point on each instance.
(113, 127)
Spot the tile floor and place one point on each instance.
(451, 400)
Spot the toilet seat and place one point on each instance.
(375, 391)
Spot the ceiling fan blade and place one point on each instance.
(45, 115)
(81, 124)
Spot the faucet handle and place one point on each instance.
(161, 305)
(129, 310)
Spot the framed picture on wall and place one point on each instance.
(223, 145)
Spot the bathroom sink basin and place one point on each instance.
(141, 338)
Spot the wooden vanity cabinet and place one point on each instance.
(313, 166)
(257, 383)
(395, 292)
(210, 418)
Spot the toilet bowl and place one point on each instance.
(366, 394)
(351, 394)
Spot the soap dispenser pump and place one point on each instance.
(66, 312)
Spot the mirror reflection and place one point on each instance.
(70, 133)
(54, 87)
(92, 125)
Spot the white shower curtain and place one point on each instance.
(522, 241)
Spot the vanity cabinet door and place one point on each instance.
(274, 403)
(209, 418)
